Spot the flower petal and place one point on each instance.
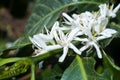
(116, 8)
(108, 32)
(65, 50)
(101, 38)
(45, 37)
(81, 39)
(74, 48)
(73, 33)
(35, 43)
(84, 47)
(55, 26)
(67, 17)
(103, 10)
(39, 41)
(98, 50)
(53, 47)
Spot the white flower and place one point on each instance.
(55, 39)
(84, 21)
(91, 26)
(94, 27)
(106, 11)
(92, 40)
(65, 41)
(45, 42)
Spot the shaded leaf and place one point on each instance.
(109, 64)
(116, 27)
(10, 60)
(21, 42)
(83, 69)
(51, 74)
(16, 69)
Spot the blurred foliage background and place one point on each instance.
(13, 17)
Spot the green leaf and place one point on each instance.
(10, 60)
(21, 42)
(116, 27)
(109, 64)
(2, 43)
(75, 71)
(51, 74)
(83, 69)
(118, 16)
(16, 69)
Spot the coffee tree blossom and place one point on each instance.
(65, 41)
(92, 40)
(83, 21)
(88, 28)
(105, 10)
(92, 25)
(56, 39)
(45, 42)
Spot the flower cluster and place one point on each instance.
(90, 25)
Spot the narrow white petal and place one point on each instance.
(73, 33)
(81, 39)
(67, 17)
(55, 26)
(74, 48)
(53, 47)
(39, 41)
(61, 35)
(35, 43)
(117, 8)
(101, 24)
(103, 10)
(80, 33)
(65, 28)
(98, 50)
(47, 31)
(84, 47)
(101, 38)
(55, 34)
(75, 16)
(108, 32)
(65, 50)
(88, 33)
(66, 21)
(45, 37)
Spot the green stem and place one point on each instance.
(32, 71)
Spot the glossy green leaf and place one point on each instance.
(109, 64)
(19, 43)
(51, 74)
(116, 27)
(83, 69)
(10, 60)
(16, 69)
